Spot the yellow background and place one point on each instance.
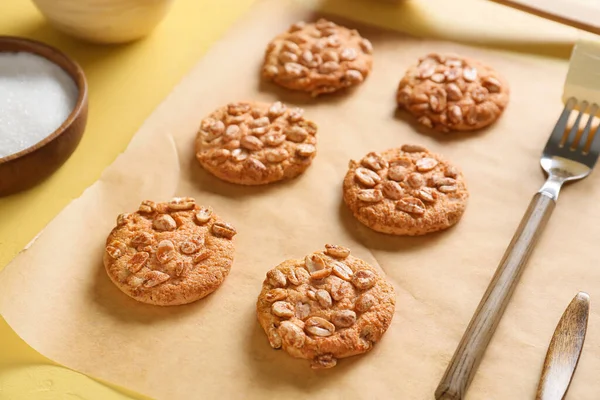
(128, 81)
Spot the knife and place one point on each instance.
(564, 350)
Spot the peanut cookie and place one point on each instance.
(329, 305)
(405, 191)
(318, 58)
(169, 253)
(256, 143)
(451, 93)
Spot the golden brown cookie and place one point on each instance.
(327, 306)
(169, 253)
(405, 191)
(256, 143)
(452, 93)
(318, 58)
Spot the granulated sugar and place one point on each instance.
(36, 97)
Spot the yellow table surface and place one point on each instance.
(128, 81)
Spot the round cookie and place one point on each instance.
(169, 253)
(452, 93)
(405, 191)
(256, 143)
(327, 306)
(318, 58)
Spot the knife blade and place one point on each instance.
(564, 350)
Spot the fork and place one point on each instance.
(563, 159)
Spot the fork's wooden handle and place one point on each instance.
(465, 361)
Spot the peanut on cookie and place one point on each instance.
(327, 306)
(405, 191)
(169, 253)
(318, 58)
(452, 93)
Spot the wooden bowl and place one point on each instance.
(28, 167)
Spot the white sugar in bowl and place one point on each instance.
(104, 21)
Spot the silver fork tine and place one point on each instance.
(575, 128)
(588, 126)
(595, 147)
(559, 129)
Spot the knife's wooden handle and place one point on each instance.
(463, 365)
(564, 350)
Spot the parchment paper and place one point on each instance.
(57, 296)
